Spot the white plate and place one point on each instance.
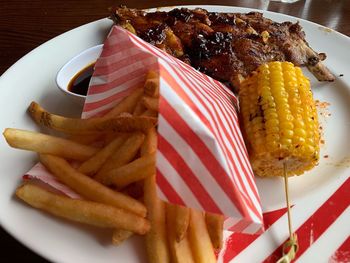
(33, 78)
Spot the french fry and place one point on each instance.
(42, 143)
(85, 139)
(123, 155)
(150, 113)
(127, 104)
(126, 124)
(89, 126)
(125, 114)
(139, 109)
(150, 103)
(152, 74)
(82, 211)
(180, 250)
(151, 87)
(134, 171)
(135, 190)
(120, 235)
(148, 146)
(156, 239)
(108, 137)
(181, 221)
(215, 226)
(202, 248)
(92, 165)
(129, 123)
(150, 143)
(89, 188)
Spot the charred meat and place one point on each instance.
(225, 46)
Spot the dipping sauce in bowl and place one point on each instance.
(79, 84)
(74, 77)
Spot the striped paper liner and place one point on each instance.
(201, 159)
(39, 171)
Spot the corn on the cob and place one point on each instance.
(279, 118)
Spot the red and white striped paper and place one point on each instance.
(201, 159)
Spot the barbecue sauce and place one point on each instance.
(80, 82)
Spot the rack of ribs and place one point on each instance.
(225, 46)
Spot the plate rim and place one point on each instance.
(3, 223)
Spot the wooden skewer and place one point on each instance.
(286, 190)
(291, 246)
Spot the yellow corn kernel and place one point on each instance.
(279, 120)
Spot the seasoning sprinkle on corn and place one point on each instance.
(279, 120)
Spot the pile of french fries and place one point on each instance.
(110, 162)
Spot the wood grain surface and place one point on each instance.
(24, 25)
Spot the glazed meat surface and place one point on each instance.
(225, 46)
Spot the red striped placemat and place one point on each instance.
(321, 222)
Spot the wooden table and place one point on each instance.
(24, 25)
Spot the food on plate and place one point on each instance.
(79, 84)
(121, 123)
(150, 103)
(134, 171)
(149, 113)
(156, 239)
(215, 225)
(123, 155)
(202, 248)
(43, 143)
(94, 164)
(89, 188)
(180, 249)
(152, 84)
(112, 168)
(225, 46)
(120, 235)
(279, 120)
(128, 104)
(92, 213)
(181, 221)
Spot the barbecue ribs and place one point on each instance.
(225, 46)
